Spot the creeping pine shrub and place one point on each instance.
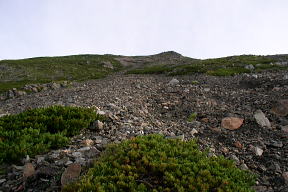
(38, 130)
(154, 163)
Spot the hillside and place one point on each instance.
(18, 73)
(235, 107)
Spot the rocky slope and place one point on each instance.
(243, 117)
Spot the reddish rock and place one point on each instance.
(71, 173)
(280, 108)
(205, 120)
(28, 170)
(231, 123)
(238, 145)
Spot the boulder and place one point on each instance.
(231, 123)
(174, 82)
(261, 119)
(258, 151)
(249, 67)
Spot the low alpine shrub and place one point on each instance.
(38, 130)
(154, 163)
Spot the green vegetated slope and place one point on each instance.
(37, 131)
(219, 66)
(154, 163)
(17, 73)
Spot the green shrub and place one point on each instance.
(228, 71)
(38, 130)
(153, 163)
(188, 69)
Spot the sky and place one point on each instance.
(194, 28)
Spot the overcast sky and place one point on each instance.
(195, 28)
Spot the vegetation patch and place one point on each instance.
(192, 117)
(38, 130)
(228, 71)
(17, 73)
(154, 163)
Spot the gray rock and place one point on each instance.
(194, 124)
(193, 132)
(249, 67)
(255, 76)
(243, 166)
(93, 152)
(68, 163)
(3, 97)
(34, 89)
(84, 149)
(55, 155)
(235, 158)
(55, 86)
(40, 159)
(285, 77)
(114, 107)
(62, 161)
(80, 160)
(10, 94)
(173, 82)
(3, 113)
(2, 181)
(278, 144)
(98, 139)
(101, 112)
(261, 119)
(76, 154)
(258, 151)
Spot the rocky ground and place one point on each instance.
(243, 117)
